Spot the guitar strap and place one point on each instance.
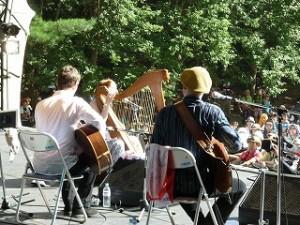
(214, 148)
(192, 125)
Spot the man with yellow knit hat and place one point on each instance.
(170, 130)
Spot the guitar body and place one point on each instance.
(95, 149)
(223, 173)
(220, 169)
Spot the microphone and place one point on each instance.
(218, 95)
(132, 103)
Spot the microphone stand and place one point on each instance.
(280, 112)
(279, 169)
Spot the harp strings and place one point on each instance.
(137, 114)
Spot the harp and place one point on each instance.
(133, 109)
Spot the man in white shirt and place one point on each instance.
(60, 115)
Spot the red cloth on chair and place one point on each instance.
(160, 174)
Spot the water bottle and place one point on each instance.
(106, 196)
(133, 221)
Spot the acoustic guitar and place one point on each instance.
(95, 149)
(214, 150)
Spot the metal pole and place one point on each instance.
(3, 19)
(279, 170)
(4, 203)
(261, 220)
(2, 77)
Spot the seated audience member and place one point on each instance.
(249, 156)
(269, 154)
(262, 120)
(284, 120)
(170, 130)
(256, 130)
(273, 117)
(293, 139)
(245, 132)
(296, 108)
(268, 129)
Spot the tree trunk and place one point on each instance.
(253, 78)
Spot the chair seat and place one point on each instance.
(187, 200)
(37, 176)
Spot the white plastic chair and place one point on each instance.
(182, 158)
(38, 142)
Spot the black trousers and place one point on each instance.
(85, 186)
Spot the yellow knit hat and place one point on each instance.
(196, 79)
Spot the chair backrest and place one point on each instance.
(181, 157)
(42, 145)
(160, 164)
(37, 141)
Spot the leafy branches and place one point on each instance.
(246, 42)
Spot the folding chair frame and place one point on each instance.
(24, 136)
(183, 159)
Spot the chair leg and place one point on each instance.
(170, 215)
(149, 211)
(44, 197)
(20, 201)
(203, 193)
(58, 198)
(211, 211)
(198, 209)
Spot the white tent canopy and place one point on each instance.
(20, 14)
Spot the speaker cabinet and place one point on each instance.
(249, 209)
(126, 183)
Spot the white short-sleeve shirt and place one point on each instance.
(60, 115)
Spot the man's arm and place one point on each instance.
(226, 134)
(90, 116)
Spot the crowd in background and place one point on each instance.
(258, 128)
(260, 140)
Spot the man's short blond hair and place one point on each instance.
(68, 76)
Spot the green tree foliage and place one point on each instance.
(53, 44)
(124, 39)
(245, 42)
(266, 40)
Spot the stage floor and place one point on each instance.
(13, 171)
